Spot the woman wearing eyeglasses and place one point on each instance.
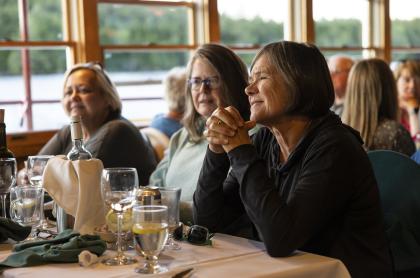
(304, 180)
(216, 78)
(89, 93)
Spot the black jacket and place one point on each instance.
(323, 200)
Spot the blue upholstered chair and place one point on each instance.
(398, 179)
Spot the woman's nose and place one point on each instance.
(204, 88)
(250, 89)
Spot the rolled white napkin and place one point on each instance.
(76, 187)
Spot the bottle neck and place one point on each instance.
(3, 141)
(78, 143)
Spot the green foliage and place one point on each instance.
(134, 24)
(245, 31)
(338, 33)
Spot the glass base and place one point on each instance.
(151, 269)
(119, 260)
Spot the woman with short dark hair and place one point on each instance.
(304, 181)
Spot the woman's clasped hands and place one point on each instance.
(226, 130)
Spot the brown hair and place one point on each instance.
(306, 75)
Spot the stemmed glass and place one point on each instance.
(7, 179)
(25, 206)
(35, 167)
(150, 231)
(118, 190)
(170, 198)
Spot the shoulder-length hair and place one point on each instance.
(413, 68)
(371, 96)
(306, 76)
(106, 87)
(233, 75)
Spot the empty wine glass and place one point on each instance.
(170, 197)
(118, 190)
(35, 167)
(25, 206)
(7, 179)
(150, 231)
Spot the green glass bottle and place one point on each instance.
(4, 151)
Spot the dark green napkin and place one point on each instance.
(64, 248)
(10, 229)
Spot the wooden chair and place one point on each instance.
(158, 140)
(398, 179)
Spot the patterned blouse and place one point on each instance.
(391, 135)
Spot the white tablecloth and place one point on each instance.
(228, 257)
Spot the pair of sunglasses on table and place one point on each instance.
(195, 234)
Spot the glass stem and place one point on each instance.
(3, 205)
(119, 224)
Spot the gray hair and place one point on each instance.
(175, 84)
(105, 84)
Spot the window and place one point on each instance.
(33, 58)
(141, 42)
(247, 25)
(405, 29)
(339, 25)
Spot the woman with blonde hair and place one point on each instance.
(89, 93)
(371, 107)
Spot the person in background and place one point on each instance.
(88, 92)
(407, 74)
(371, 107)
(163, 126)
(304, 180)
(175, 85)
(216, 78)
(339, 66)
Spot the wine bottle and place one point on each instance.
(4, 151)
(78, 152)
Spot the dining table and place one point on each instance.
(227, 256)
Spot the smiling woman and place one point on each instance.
(88, 92)
(217, 78)
(304, 182)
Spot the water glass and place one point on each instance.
(170, 197)
(25, 206)
(119, 187)
(150, 232)
(35, 167)
(7, 179)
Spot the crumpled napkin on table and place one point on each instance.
(10, 229)
(76, 187)
(64, 248)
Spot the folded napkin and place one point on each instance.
(10, 229)
(64, 248)
(76, 187)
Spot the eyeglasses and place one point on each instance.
(210, 82)
(196, 234)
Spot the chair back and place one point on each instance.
(398, 179)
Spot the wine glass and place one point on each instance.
(150, 231)
(7, 179)
(25, 206)
(35, 167)
(118, 190)
(170, 197)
